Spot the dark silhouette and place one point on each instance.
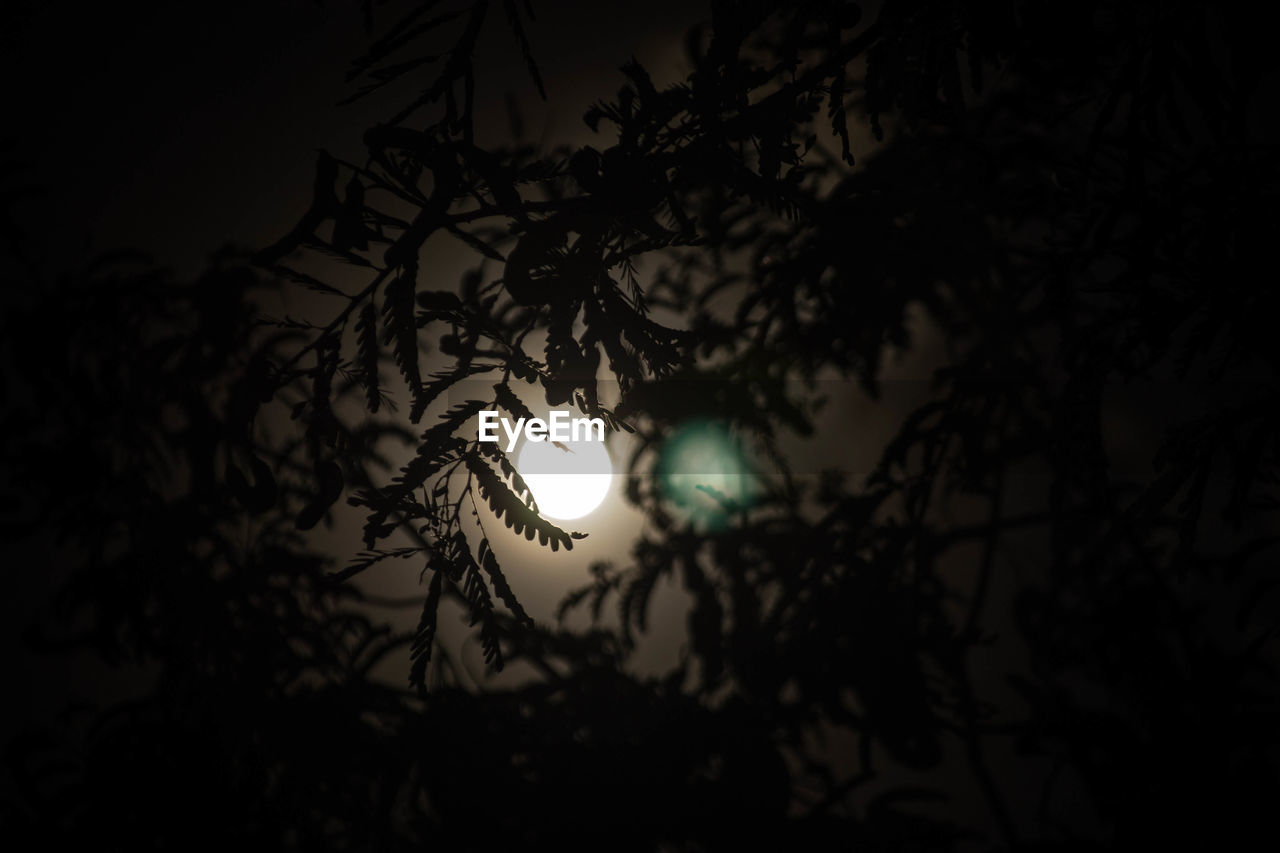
(1039, 623)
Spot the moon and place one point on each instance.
(568, 479)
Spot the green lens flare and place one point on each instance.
(703, 469)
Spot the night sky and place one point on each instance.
(179, 130)
(951, 515)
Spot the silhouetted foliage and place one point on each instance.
(1074, 200)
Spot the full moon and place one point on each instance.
(568, 479)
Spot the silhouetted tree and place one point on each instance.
(1078, 198)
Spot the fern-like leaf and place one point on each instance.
(367, 353)
(424, 635)
(499, 457)
(401, 332)
(489, 563)
(513, 511)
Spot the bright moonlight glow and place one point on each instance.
(568, 479)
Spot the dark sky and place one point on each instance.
(177, 128)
